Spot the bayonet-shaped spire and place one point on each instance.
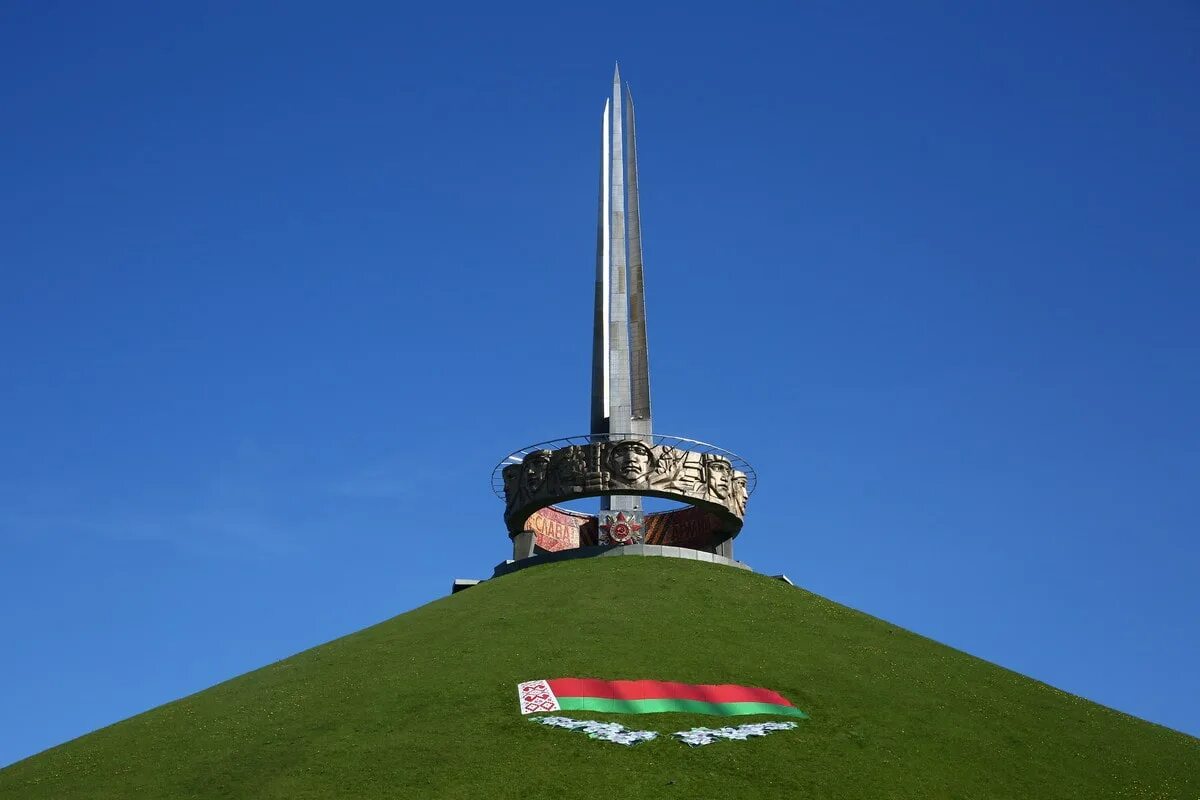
(600, 325)
(620, 404)
(620, 362)
(639, 356)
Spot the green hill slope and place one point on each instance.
(424, 705)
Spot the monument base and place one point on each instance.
(553, 529)
(505, 567)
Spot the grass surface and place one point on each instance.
(424, 705)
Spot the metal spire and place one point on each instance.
(639, 357)
(600, 324)
(620, 403)
(620, 368)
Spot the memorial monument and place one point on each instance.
(621, 460)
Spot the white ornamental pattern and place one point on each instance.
(697, 737)
(536, 697)
(604, 731)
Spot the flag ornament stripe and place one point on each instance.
(536, 696)
(651, 690)
(650, 697)
(685, 706)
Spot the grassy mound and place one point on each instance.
(424, 705)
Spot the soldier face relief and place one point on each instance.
(535, 470)
(719, 475)
(631, 461)
(740, 493)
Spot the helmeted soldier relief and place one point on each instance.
(533, 471)
(740, 492)
(718, 476)
(630, 461)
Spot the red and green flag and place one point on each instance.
(649, 697)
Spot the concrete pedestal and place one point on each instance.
(523, 545)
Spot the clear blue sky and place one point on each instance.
(280, 283)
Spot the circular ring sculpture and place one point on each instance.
(713, 482)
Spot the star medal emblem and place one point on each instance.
(620, 528)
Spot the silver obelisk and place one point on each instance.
(620, 361)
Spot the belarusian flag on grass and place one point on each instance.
(648, 697)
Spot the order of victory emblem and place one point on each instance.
(620, 527)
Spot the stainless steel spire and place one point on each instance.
(639, 356)
(620, 364)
